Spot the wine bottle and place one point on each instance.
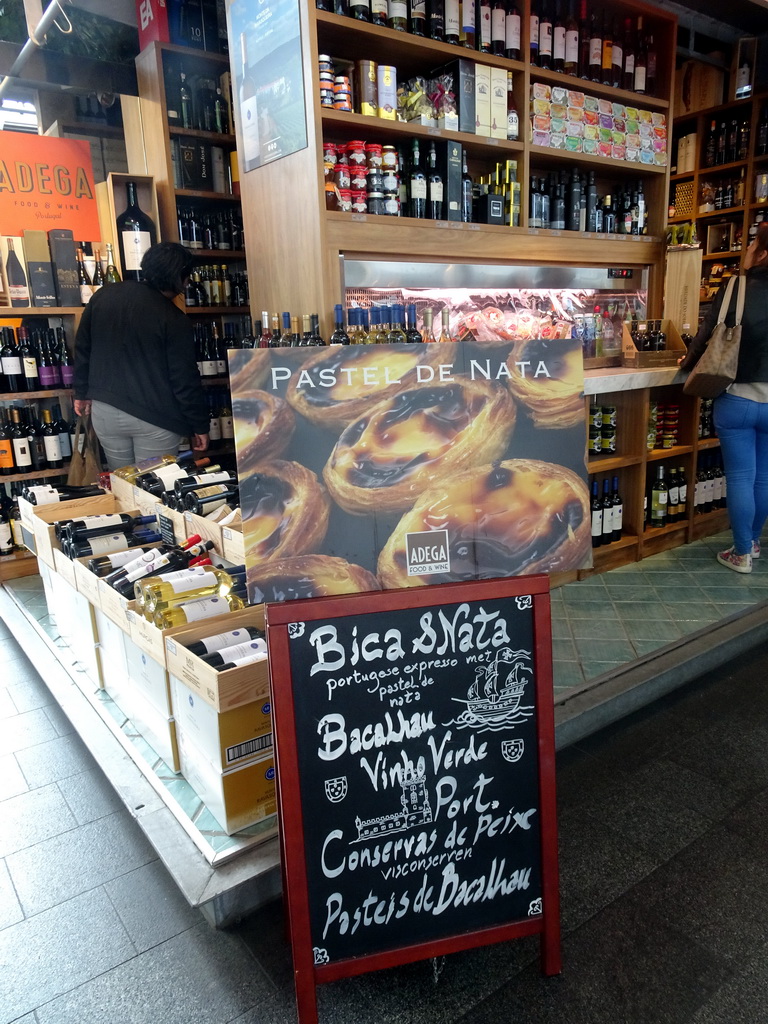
(659, 498)
(11, 362)
(87, 526)
(418, 19)
(111, 275)
(468, 34)
(571, 41)
(558, 39)
(53, 455)
(7, 463)
(618, 510)
(205, 500)
(498, 27)
(339, 336)
(28, 357)
(412, 335)
(483, 25)
(452, 22)
(245, 653)
(398, 15)
(595, 49)
(220, 641)
(190, 584)
(513, 118)
(136, 232)
(417, 190)
(641, 60)
(18, 286)
(427, 323)
(83, 279)
(103, 565)
(194, 611)
(436, 19)
(435, 187)
(104, 543)
(673, 496)
(607, 504)
(606, 59)
(533, 37)
(628, 72)
(445, 325)
(596, 507)
(6, 537)
(545, 37)
(512, 30)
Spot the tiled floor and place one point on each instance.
(603, 622)
(663, 881)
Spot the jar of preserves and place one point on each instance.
(392, 204)
(390, 180)
(375, 181)
(341, 153)
(376, 203)
(359, 178)
(356, 153)
(345, 200)
(326, 97)
(331, 196)
(389, 158)
(341, 176)
(374, 155)
(359, 202)
(325, 63)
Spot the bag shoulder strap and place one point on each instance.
(726, 304)
(740, 299)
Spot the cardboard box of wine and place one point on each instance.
(39, 269)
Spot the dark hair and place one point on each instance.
(762, 235)
(165, 266)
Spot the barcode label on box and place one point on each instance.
(241, 750)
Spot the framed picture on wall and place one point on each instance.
(719, 238)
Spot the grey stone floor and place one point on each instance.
(664, 850)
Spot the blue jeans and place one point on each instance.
(742, 426)
(127, 439)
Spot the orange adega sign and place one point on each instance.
(47, 183)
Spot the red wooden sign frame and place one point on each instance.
(307, 975)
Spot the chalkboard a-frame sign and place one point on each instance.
(414, 738)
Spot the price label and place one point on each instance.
(361, 217)
(437, 132)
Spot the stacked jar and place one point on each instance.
(326, 76)
(338, 177)
(663, 427)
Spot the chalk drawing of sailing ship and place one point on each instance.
(494, 700)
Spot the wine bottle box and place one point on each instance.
(76, 625)
(225, 690)
(147, 504)
(64, 566)
(238, 798)
(157, 729)
(124, 493)
(641, 360)
(61, 244)
(207, 529)
(234, 544)
(115, 606)
(225, 738)
(87, 582)
(111, 650)
(149, 678)
(498, 103)
(39, 269)
(151, 640)
(483, 100)
(449, 165)
(463, 75)
(43, 518)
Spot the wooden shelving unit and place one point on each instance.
(740, 216)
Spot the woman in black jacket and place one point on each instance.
(741, 413)
(135, 366)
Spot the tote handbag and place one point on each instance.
(718, 364)
(85, 466)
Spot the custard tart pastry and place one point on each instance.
(286, 579)
(392, 453)
(341, 383)
(552, 386)
(248, 369)
(513, 518)
(264, 425)
(287, 511)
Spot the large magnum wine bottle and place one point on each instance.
(136, 232)
(17, 279)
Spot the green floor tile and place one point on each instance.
(593, 669)
(682, 611)
(592, 610)
(598, 629)
(727, 595)
(617, 578)
(563, 650)
(567, 674)
(630, 611)
(639, 591)
(653, 629)
(671, 594)
(605, 650)
(561, 629)
(694, 625)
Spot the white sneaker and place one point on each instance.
(739, 563)
(755, 548)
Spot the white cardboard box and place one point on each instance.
(226, 738)
(149, 677)
(237, 798)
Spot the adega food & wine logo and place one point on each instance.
(427, 552)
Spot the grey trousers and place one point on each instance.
(126, 439)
